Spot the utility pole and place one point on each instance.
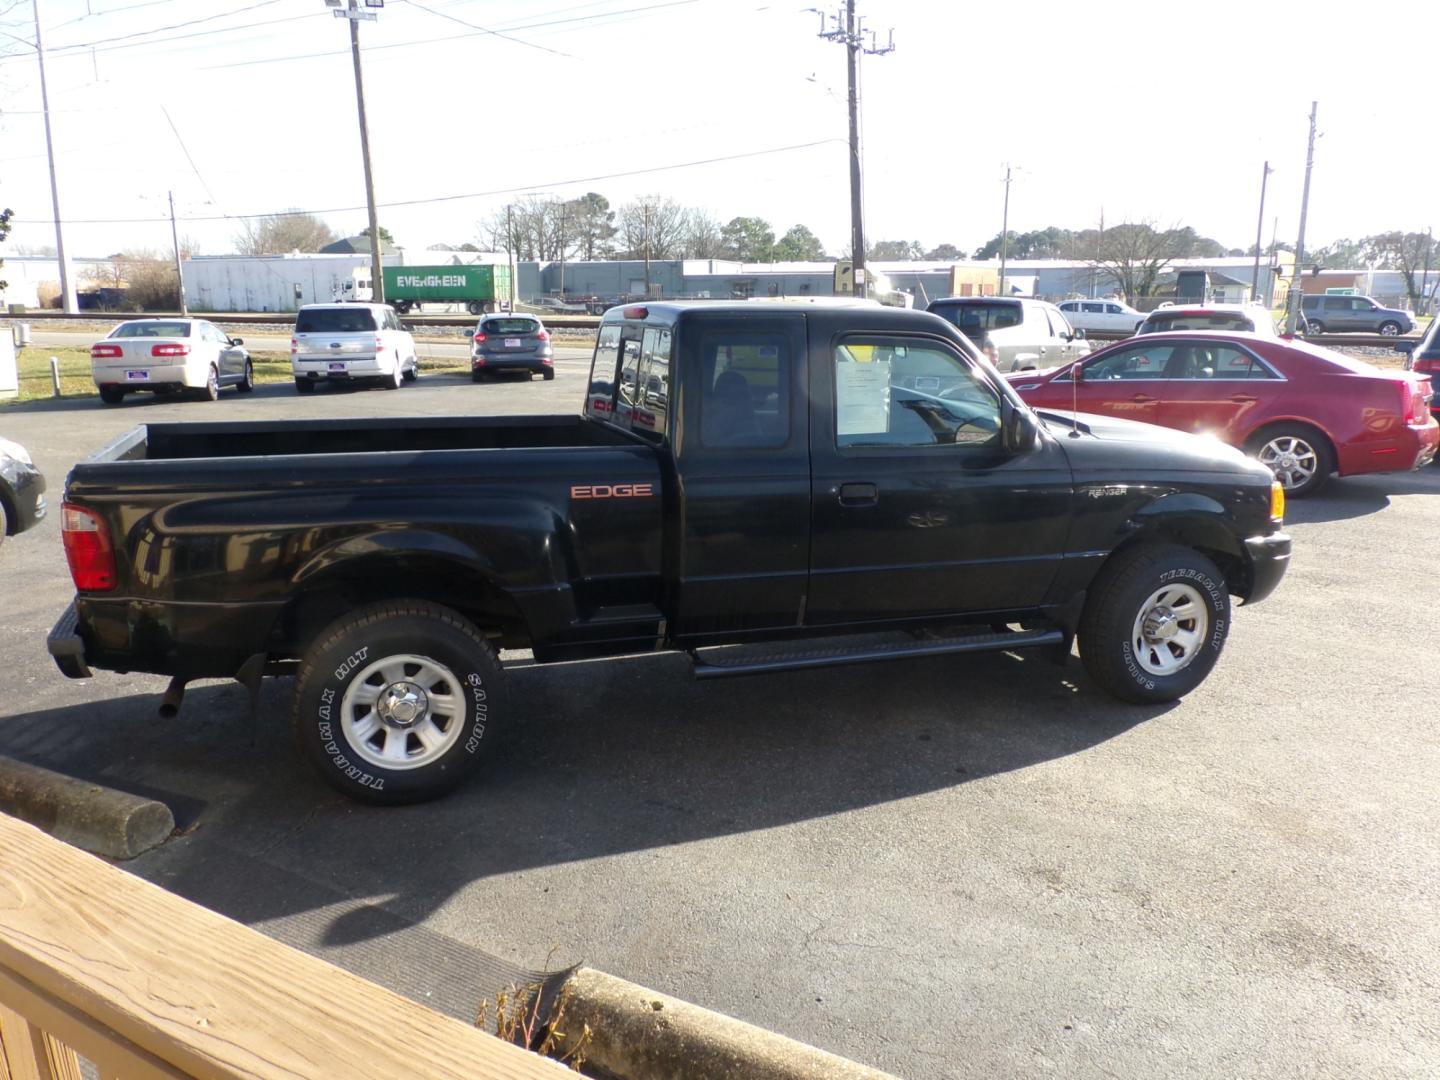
(1004, 231)
(1259, 228)
(1292, 302)
(562, 252)
(647, 250)
(355, 15)
(179, 274)
(851, 33)
(67, 288)
(1425, 281)
(510, 255)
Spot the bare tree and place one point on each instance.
(147, 278)
(1132, 254)
(1407, 252)
(652, 221)
(289, 230)
(703, 238)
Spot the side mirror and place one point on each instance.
(409, 329)
(1021, 431)
(1077, 335)
(469, 333)
(1077, 373)
(237, 341)
(1406, 347)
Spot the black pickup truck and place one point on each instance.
(741, 480)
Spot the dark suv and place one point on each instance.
(1353, 314)
(1425, 359)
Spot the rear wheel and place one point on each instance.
(549, 374)
(1154, 623)
(1314, 326)
(1300, 457)
(1390, 329)
(247, 380)
(474, 307)
(396, 377)
(305, 386)
(211, 390)
(112, 395)
(394, 702)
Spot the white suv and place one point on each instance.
(343, 342)
(1242, 318)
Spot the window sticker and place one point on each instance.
(862, 397)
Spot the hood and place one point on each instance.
(1105, 441)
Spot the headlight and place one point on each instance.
(15, 450)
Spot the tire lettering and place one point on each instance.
(352, 662)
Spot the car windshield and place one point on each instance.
(509, 326)
(335, 321)
(152, 329)
(995, 315)
(1201, 320)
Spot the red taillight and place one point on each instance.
(105, 352)
(294, 345)
(1419, 407)
(1428, 366)
(546, 360)
(543, 335)
(87, 549)
(478, 338)
(379, 344)
(170, 350)
(478, 361)
(636, 312)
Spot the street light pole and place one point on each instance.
(1004, 232)
(1259, 229)
(377, 281)
(175, 239)
(67, 288)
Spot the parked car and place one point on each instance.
(1424, 359)
(1026, 333)
(1107, 316)
(1245, 318)
(1353, 314)
(825, 471)
(167, 356)
(503, 344)
(22, 490)
(349, 342)
(1303, 410)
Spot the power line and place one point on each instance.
(487, 30)
(186, 37)
(111, 11)
(110, 41)
(456, 198)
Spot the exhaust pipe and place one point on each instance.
(173, 696)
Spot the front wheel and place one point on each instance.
(1154, 623)
(396, 701)
(1300, 459)
(413, 371)
(247, 381)
(1390, 329)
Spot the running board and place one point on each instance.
(719, 661)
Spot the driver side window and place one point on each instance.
(898, 392)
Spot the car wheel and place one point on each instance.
(474, 307)
(1154, 623)
(1390, 329)
(211, 390)
(305, 386)
(1311, 326)
(396, 377)
(1300, 457)
(247, 381)
(4, 522)
(112, 395)
(395, 702)
(549, 374)
(413, 371)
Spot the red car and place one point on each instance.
(1303, 410)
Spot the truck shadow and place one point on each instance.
(1349, 497)
(595, 759)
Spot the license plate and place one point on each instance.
(137, 374)
(512, 343)
(336, 366)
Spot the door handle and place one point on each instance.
(859, 494)
(1142, 398)
(1242, 399)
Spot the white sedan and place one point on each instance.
(1105, 315)
(169, 356)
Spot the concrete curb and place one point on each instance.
(638, 1034)
(98, 819)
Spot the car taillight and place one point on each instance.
(379, 343)
(294, 345)
(1418, 411)
(87, 549)
(478, 338)
(104, 352)
(170, 350)
(543, 335)
(1427, 366)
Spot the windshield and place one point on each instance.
(509, 326)
(973, 318)
(1200, 320)
(335, 321)
(151, 329)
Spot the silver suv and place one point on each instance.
(1026, 333)
(1353, 314)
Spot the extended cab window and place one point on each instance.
(651, 391)
(745, 390)
(900, 392)
(600, 398)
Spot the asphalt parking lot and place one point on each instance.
(970, 867)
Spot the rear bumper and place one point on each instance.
(154, 375)
(501, 362)
(1414, 447)
(1268, 558)
(66, 646)
(349, 367)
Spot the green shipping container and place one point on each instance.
(474, 286)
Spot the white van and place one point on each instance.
(344, 342)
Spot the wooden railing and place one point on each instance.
(95, 962)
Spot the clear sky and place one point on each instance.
(1148, 111)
